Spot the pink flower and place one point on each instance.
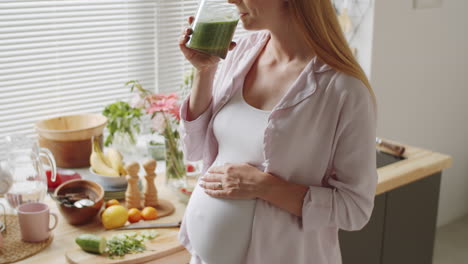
(175, 111)
(162, 103)
(167, 104)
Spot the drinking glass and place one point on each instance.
(213, 28)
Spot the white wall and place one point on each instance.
(420, 76)
(363, 40)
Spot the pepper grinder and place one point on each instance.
(132, 195)
(151, 193)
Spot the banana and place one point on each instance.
(115, 159)
(103, 157)
(100, 167)
(98, 163)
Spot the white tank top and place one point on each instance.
(219, 229)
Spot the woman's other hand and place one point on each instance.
(199, 60)
(235, 181)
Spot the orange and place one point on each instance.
(112, 202)
(149, 213)
(134, 215)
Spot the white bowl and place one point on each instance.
(108, 181)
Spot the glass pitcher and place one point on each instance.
(6, 178)
(6, 181)
(16, 145)
(24, 158)
(213, 28)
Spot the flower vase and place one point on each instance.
(124, 143)
(176, 175)
(125, 139)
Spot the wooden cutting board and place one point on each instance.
(164, 244)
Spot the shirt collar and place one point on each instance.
(305, 85)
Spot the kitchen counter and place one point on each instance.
(402, 226)
(418, 164)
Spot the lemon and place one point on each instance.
(114, 216)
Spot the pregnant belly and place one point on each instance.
(219, 229)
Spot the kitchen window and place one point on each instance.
(61, 57)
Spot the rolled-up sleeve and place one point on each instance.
(193, 133)
(348, 199)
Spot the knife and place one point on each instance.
(149, 226)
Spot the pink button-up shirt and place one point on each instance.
(321, 134)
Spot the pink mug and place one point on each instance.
(34, 221)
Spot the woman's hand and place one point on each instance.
(246, 182)
(199, 60)
(235, 181)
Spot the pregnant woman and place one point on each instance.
(286, 133)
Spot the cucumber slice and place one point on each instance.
(91, 243)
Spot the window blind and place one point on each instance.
(61, 57)
(70, 56)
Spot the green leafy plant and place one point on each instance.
(135, 85)
(122, 118)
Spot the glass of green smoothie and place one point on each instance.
(214, 27)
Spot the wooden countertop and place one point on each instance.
(418, 164)
(64, 234)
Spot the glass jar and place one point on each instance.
(213, 28)
(156, 150)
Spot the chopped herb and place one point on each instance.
(121, 244)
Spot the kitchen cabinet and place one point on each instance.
(403, 223)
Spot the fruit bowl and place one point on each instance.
(113, 182)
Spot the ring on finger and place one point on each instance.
(220, 186)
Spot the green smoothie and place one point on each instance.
(213, 37)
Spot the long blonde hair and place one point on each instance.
(318, 22)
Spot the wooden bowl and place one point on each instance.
(80, 216)
(69, 137)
